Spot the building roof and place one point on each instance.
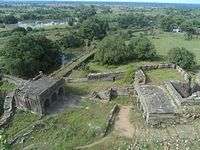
(37, 86)
(154, 99)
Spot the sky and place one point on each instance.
(159, 1)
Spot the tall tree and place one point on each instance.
(25, 55)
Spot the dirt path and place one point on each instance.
(122, 124)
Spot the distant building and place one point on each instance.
(177, 30)
(39, 93)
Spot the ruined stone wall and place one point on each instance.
(107, 76)
(8, 109)
(183, 73)
(182, 88)
(14, 80)
(140, 77)
(173, 92)
(111, 119)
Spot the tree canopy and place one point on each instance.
(25, 55)
(141, 48)
(111, 50)
(114, 50)
(182, 57)
(93, 28)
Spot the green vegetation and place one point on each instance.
(26, 55)
(20, 121)
(159, 75)
(125, 38)
(164, 42)
(93, 28)
(61, 131)
(4, 88)
(182, 57)
(111, 50)
(139, 48)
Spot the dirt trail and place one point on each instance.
(122, 124)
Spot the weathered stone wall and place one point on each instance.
(183, 73)
(8, 109)
(173, 92)
(14, 80)
(107, 76)
(182, 88)
(111, 119)
(112, 93)
(140, 77)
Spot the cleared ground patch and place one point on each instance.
(166, 41)
(157, 76)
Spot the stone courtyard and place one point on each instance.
(163, 103)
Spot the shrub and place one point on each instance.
(182, 57)
(129, 74)
(111, 50)
(25, 55)
(141, 48)
(71, 41)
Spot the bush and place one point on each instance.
(129, 74)
(141, 48)
(71, 41)
(182, 57)
(111, 50)
(26, 55)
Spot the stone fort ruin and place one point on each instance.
(162, 103)
(39, 93)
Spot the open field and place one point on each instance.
(159, 75)
(165, 41)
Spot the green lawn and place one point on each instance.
(165, 41)
(69, 129)
(159, 75)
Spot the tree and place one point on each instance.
(141, 48)
(71, 21)
(71, 41)
(134, 20)
(85, 13)
(93, 28)
(29, 29)
(111, 50)
(25, 55)
(167, 23)
(19, 30)
(182, 57)
(10, 19)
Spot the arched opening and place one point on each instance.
(61, 92)
(46, 104)
(54, 97)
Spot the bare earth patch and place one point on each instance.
(122, 125)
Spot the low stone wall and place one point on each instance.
(140, 77)
(173, 92)
(183, 73)
(194, 99)
(111, 119)
(8, 109)
(112, 93)
(14, 80)
(106, 76)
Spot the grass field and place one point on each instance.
(165, 41)
(159, 75)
